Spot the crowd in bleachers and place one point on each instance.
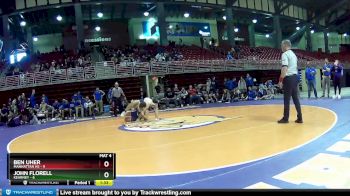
(245, 89)
(26, 110)
(267, 53)
(61, 59)
(31, 110)
(57, 60)
(148, 53)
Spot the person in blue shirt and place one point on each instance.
(229, 56)
(15, 121)
(251, 95)
(80, 97)
(75, 97)
(229, 84)
(337, 70)
(98, 96)
(261, 91)
(56, 107)
(64, 108)
(234, 83)
(310, 73)
(109, 95)
(326, 77)
(32, 100)
(249, 80)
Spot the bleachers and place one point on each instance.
(197, 53)
(184, 80)
(265, 53)
(131, 86)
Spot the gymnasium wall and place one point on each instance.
(112, 33)
(241, 37)
(47, 43)
(261, 40)
(334, 41)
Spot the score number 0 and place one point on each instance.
(106, 164)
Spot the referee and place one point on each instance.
(118, 97)
(289, 81)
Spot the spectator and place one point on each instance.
(212, 41)
(310, 73)
(229, 56)
(251, 95)
(32, 117)
(242, 85)
(201, 41)
(14, 120)
(213, 97)
(98, 97)
(183, 96)
(234, 83)
(64, 108)
(249, 81)
(110, 95)
(180, 42)
(4, 114)
(45, 99)
(14, 107)
(214, 85)
(236, 95)
(118, 97)
(78, 106)
(32, 99)
(79, 96)
(204, 94)
(56, 107)
(326, 77)
(88, 106)
(226, 96)
(208, 85)
(194, 98)
(170, 97)
(229, 85)
(337, 71)
(43, 110)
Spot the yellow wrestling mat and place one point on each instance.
(185, 140)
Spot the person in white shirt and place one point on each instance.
(118, 97)
(289, 81)
(88, 105)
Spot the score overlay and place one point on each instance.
(61, 168)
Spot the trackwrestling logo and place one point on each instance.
(10, 192)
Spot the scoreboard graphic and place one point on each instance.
(61, 169)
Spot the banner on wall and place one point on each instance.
(151, 30)
(188, 29)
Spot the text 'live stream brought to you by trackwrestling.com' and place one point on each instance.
(104, 192)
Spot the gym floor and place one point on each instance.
(212, 146)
